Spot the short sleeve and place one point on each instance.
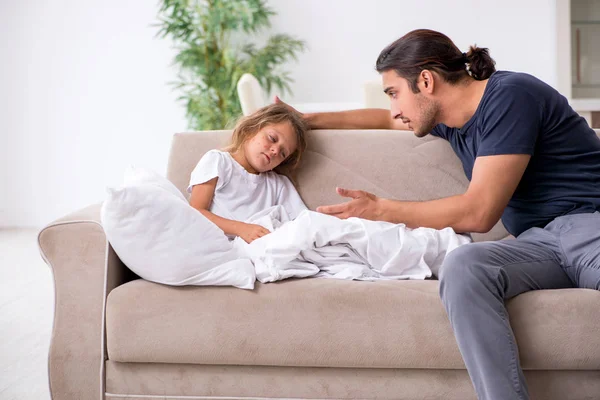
(212, 165)
(440, 130)
(289, 198)
(510, 122)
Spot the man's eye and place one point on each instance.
(283, 155)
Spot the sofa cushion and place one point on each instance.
(335, 323)
(141, 381)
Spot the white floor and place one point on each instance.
(26, 312)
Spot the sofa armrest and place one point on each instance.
(85, 269)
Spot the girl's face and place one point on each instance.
(270, 146)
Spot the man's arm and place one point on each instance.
(494, 180)
(367, 118)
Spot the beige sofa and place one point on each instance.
(124, 338)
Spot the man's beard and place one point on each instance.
(429, 111)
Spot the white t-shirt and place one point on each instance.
(240, 194)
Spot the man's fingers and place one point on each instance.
(277, 100)
(355, 194)
(332, 210)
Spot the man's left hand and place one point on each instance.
(363, 205)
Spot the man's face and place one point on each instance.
(415, 109)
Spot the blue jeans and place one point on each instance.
(476, 280)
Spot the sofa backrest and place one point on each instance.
(388, 163)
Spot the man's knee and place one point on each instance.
(465, 267)
(460, 261)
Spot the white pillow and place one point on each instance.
(161, 238)
(142, 176)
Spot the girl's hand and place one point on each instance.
(251, 232)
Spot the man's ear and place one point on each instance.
(426, 81)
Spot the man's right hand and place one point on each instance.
(277, 100)
(251, 232)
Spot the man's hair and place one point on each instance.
(248, 126)
(426, 49)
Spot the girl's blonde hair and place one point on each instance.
(249, 126)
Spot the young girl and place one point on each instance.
(230, 186)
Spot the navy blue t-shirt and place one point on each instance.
(519, 114)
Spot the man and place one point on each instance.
(531, 160)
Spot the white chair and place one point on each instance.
(252, 97)
(374, 96)
(250, 93)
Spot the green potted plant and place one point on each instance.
(212, 55)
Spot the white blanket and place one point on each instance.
(316, 244)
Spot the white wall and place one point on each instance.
(84, 93)
(346, 36)
(83, 84)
